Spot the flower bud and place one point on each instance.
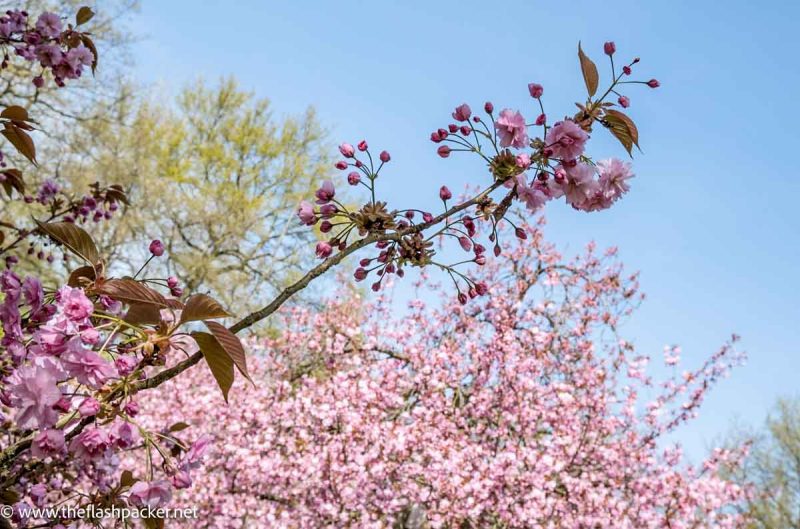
(157, 248)
(172, 281)
(443, 151)
(653, 83)
(325, 226)
(427, 217)
(341, 165)
(536, 90)
(497, 250)
(360, 274)
(453, 128)
(89, 407)
(444, 193)
(347, 150)
(362, 145)
(462, 112)
(353, 178)
(324, 250)
(488, 107)
(626, 70)
(462, 298)
(520, 233)
(609, 48)
(541, 120)
(624, 102)
(385, 157)
(465, 243)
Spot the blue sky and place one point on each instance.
(712, 220)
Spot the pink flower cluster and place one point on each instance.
(64, 355)
(59, 50)
(519, 411)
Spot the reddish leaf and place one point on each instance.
(231, 344)
(84, 15)
(178, 427)
(218, 361)
(15, 113)
(90, 44)
(201, 307)
(143, 314)
(131, 292)
(126, 479)
(82, 276)
(75, 239)
(589, 70)
(13, 181)
(20, 140)
(632, 130)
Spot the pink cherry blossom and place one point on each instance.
(614, 176)
(33, 393)
(511, 128)
(566, 139)
(154, 494)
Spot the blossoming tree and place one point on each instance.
(75, 357)
(527, 409)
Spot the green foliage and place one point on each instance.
(217, 178)
(773, 469)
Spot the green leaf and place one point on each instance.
(201, 307)
(74, 238)
(84, 15)
(232, 345)
(218, 361)
(589, 70)
(131, 292)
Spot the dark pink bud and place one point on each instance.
(443, 151)
(445, 193)
(341, 165)
(624, 102)
(541, 120)
(465, 243)
(462, 298)
(488, 107)
(362, 145)
(353, 178)
(609, 48)
(385, 156)
(479, 249)
(409, 214)
(453, 128)
(466, 131)
(325, 226)
(497, 250)
(157, 248)
(481, 288)
(472, 293)
(364, 262)
(324, 250)
(132, 408)
(462, 112)
(172, 281)
(38, 81)
(480, 259)
(360, 274)
(626, 70)
(427, 217)
(62, 405)
(435, 137)
(176, 292)
(376, 286)
(653, 83)
(520, 233)
(536, 90)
